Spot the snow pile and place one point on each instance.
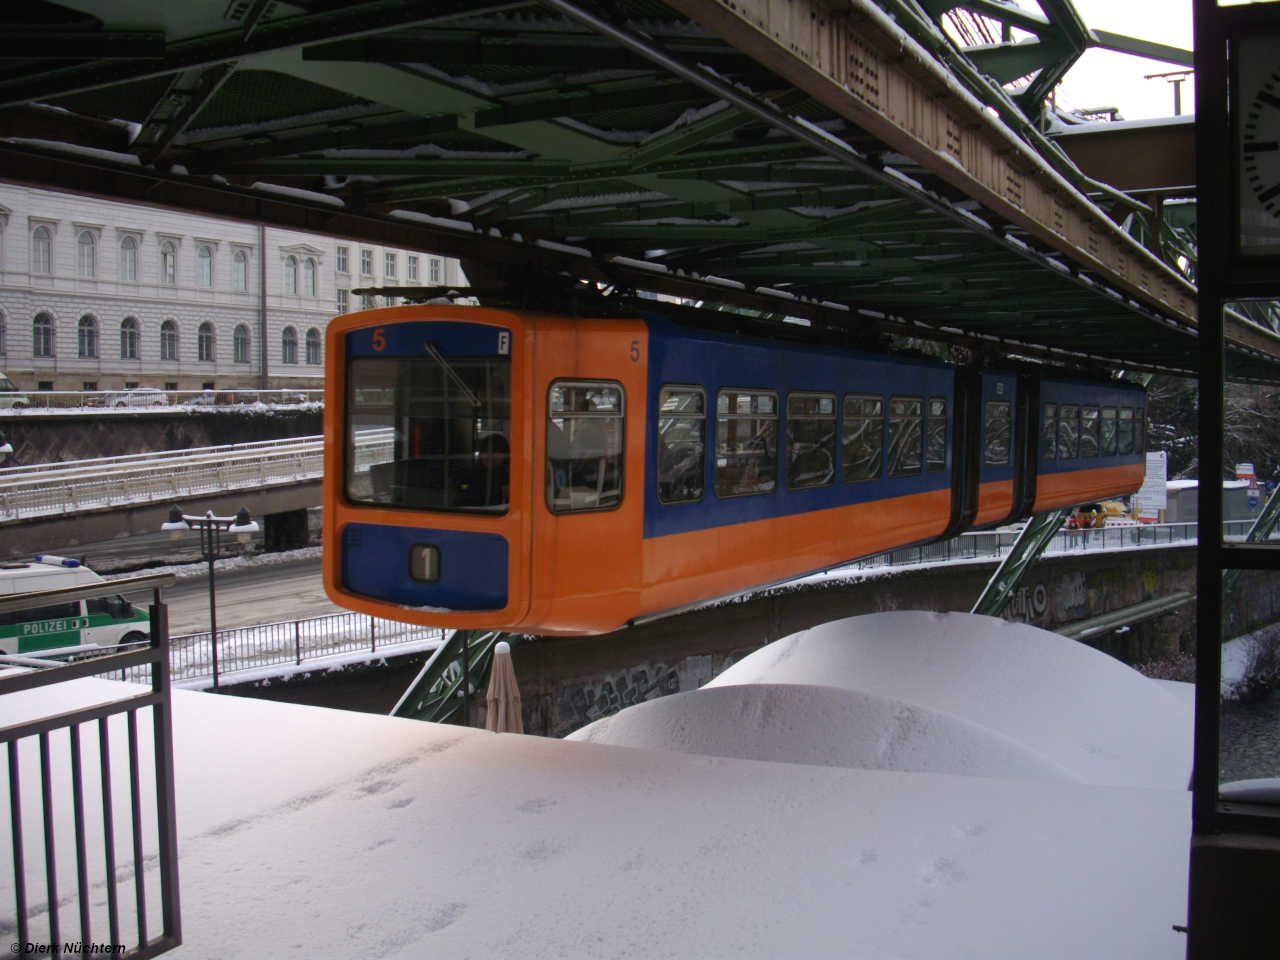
(825, 726)
(978, 682)
(321, 833)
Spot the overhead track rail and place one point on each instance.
(851, 167)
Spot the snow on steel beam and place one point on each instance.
(227, 45)
(860, 64)
(1144, 48)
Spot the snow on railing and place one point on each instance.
(84, 485)
(275, 649)
(150, 400)
(996, 544)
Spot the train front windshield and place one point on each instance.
(431, 433)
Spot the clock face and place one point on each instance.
(1258, 157)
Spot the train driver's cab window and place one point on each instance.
(682, 444)
(906, 436)
(1089, 432)
(936, 441)
(746, 442)
(1049, 432)
(862, 441)
(1068, 431)
(431, 433)
(584, 446)
(1125, 432)
(1140, 431)
(811, 440)
(998, 430)
(1107, 432)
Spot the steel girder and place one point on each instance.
(636, 147)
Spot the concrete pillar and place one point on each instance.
(285, 531)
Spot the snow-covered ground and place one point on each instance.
(970, 789)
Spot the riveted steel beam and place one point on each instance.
(858, 63)
(207, 50)
(215, 157)
(81, 44)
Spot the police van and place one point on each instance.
(105, 622)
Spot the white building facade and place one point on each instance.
(98, 295)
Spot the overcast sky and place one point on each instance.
(1104, 79)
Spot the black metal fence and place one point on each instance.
(993, 545)
(122, 850)
(287, 643)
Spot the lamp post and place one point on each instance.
(211, 528)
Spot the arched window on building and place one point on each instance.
(41, 250)
(168, 340)
(204, 342)
(168, 263)
(290, 274)
(309, 277)
(129, 260)
(42, 335)
(289, 346)
(128, 339)
(86, 255)
(240, 269)
(240, 342)
(87, 331)
(204, 264)
(313, 346)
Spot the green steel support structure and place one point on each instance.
(1032, 542)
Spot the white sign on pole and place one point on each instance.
(1153, 496)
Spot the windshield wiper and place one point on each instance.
(453, 374)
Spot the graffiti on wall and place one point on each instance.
(1028, 602)
(605, 697)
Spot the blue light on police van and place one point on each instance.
(57, 561)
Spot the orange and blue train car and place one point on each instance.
(554, 475)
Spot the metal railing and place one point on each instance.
(69, 468)
(70, 491)
(151, 400)
(995, 545)
(288, 643)
(104, 883)
(82, 485)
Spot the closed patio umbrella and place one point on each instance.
(503, 696)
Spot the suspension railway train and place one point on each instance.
(540, 474)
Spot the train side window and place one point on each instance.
(906, 436)
(584, 446)
(936, 443)
(682, 444)
(998, 430)
(1140, 431)
(811, 440)
(746, 442)
(1049, 432)
(1126, 432)
(1089, 432)
(862, 441)
(1068, 431)
(1107, 432)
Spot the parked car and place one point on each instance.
(139, 397)
(204, 399)
(238, 396)
(10, 398)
